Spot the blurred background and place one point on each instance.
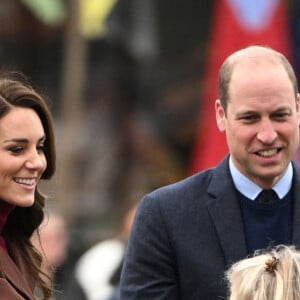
(128, 82)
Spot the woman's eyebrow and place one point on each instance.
(23, 140)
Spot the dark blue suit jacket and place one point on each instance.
(185, 236)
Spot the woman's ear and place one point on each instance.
(220, 115)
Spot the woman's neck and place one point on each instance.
(5, 210)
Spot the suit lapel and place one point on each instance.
(225, 212)
(296, 195)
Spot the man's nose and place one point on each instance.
(266, 133)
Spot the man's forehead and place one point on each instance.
(254, 54)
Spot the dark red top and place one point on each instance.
(5, 210)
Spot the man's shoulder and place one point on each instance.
(191, 187)
(191, 191)
(296, 167)
(200, 178)
(296, 174)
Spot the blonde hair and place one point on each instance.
(269, 275)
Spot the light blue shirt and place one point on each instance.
(251, 190)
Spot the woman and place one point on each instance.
(27, 154)
(270, 275)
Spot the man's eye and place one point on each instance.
(282, 115)
(249, 118)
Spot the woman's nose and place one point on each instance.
(36, 160)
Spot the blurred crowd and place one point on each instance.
(141, 82)
(137, 108)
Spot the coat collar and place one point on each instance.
(296, 195)
(226, 215)
(17, 276)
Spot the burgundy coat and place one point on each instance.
(15, 282)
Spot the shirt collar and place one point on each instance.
(251, 190)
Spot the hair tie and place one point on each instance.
(271, 265)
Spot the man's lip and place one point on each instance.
(268, 154)
(268, 149)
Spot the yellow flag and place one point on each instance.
(93, 14)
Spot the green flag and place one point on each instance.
(51, 12)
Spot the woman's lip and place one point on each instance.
(29, 181)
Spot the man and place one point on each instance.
(186, 235)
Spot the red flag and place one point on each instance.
(235, 24)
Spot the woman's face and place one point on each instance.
(22, 158)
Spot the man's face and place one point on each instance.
(262, 121)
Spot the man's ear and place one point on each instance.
(298, 107)
(220, 115)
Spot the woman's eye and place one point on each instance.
(16, 149)
(41, 148)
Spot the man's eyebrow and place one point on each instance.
(246, 112)
(283, 108)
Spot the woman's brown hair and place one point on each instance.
(16, 91)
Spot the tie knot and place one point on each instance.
(267, 196)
